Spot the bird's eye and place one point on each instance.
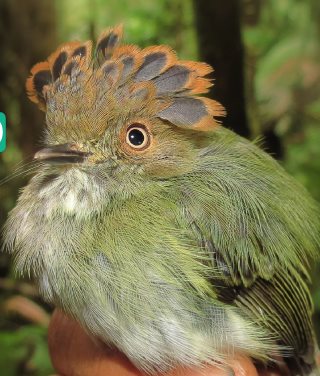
(138, 136)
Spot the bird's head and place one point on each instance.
(119, 116)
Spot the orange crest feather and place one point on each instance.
(153, 73)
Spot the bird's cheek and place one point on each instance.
(168, 167)
(170, 160)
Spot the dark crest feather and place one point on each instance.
(128, 64)
(40, 79)
(108, 41)
(80, 51)
(152, 66)
(58, 64)
(69, 67)
(172, 80)
(112, 71)
(184, 112)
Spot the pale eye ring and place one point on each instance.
(138, 136)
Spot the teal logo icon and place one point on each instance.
(3, 133)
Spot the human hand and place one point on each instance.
(74, 353)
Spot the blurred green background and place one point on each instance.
(267, 74)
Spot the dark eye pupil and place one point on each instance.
(136, 137)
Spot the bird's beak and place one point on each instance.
(61, 154)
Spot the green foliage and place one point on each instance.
(146, 22)
(303, 156)
(286, 50)
(24, 352)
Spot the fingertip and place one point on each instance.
(72, 349)
(243, 366)
(74, 352)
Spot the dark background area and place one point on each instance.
(267, 74)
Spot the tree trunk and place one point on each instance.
(220, 44)
(27, 36)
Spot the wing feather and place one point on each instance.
(281, 303)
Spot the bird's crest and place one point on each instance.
(153, 74)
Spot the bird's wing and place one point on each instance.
(259, 228)
(281, 303)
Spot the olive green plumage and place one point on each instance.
(165, 235)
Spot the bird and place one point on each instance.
(162, 232)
